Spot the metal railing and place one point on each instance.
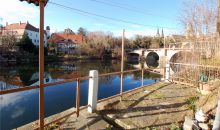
(78, 80)
(191, 74)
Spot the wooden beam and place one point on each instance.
(41, 66)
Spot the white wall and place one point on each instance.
(34, 36)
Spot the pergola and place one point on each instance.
(41, 4)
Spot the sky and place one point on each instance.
(144, 16)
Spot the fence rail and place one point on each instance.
(78, 80)
(193, 74)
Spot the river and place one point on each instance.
(20, 108)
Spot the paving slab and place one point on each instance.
(161, 105)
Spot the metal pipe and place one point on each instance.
(122, 63)
(78, 98)
(142, 79)
(41, 66)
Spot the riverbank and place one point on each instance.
(50, 58)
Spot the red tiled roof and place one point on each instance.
(26, 26)
(59, 37)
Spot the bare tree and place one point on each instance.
(9, 39)
(199, 17)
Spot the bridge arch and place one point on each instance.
(152, 59)
(181, 56)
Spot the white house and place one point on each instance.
(18, 29)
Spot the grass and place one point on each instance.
(52, 126)
(192, 103)
(175, 127)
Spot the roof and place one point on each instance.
(20, 25)
(178, 38)
(60, 37)
(26, 26)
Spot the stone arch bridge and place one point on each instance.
(162, 54)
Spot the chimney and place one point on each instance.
(6, 23)
(27, 22)
(20, 23)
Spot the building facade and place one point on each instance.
(19, 29)
(66, 43)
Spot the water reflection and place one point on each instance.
(21, 108)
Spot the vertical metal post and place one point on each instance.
(142, 74)
(122, 63)
(78, 97)
(41, 66)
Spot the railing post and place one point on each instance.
(78, 98)
(142, 75)
(167, 74)
(41, 66)
(93, 91)
(122, 64)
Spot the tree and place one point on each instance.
(218, 18)
(9, 39)
(68, 31)
(26, 44)
(199, 17)
(51, 46)
(142, 41)
(157, 42)
(82, 31)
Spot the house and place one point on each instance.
(18, 29)
(175, 41)
(66, 43)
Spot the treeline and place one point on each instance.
(99, 43)
(11, 43)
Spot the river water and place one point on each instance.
(20, 108)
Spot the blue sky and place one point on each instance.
(158, 13)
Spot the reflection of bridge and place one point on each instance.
(164, 54)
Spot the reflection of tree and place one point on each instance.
(25, 73)
(106, 79)
(21, 74)
(137, 75)
(149, 75)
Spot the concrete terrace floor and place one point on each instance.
(158, 106)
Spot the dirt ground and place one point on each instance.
(159, 106)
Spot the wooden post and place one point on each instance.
(122, 63)
(41, 66)
(78, 97)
